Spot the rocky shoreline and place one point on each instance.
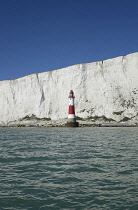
(63, 123)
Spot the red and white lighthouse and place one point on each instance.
(71, 111)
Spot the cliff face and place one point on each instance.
(105, 90)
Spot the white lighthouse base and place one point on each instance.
(72, 120)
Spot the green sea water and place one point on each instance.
(69, 168)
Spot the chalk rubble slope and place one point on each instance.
(106, 91)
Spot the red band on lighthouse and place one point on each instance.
(71, 110)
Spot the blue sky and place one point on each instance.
(43, 35)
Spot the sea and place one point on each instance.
(69, 168)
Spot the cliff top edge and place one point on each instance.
(70, 66)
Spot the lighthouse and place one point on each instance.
(71, 122)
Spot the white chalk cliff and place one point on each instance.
(104, 91)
